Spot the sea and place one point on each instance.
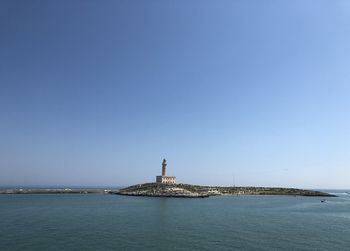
(114, 222)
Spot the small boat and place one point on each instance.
(323, 201)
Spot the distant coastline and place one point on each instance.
(173, 190)
(56, 191)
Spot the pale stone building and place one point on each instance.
(165, 179)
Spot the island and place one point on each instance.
(165, 186)
(195, 191)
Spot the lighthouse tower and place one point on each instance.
(164, 179)
(164, 164)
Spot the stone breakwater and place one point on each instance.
(194, 191)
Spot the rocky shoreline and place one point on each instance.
(194, 191)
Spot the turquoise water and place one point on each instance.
(111, 222)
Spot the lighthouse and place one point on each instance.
(164, 179)
(164, 164)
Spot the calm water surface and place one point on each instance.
(111, 222)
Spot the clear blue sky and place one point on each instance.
(98, 92)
